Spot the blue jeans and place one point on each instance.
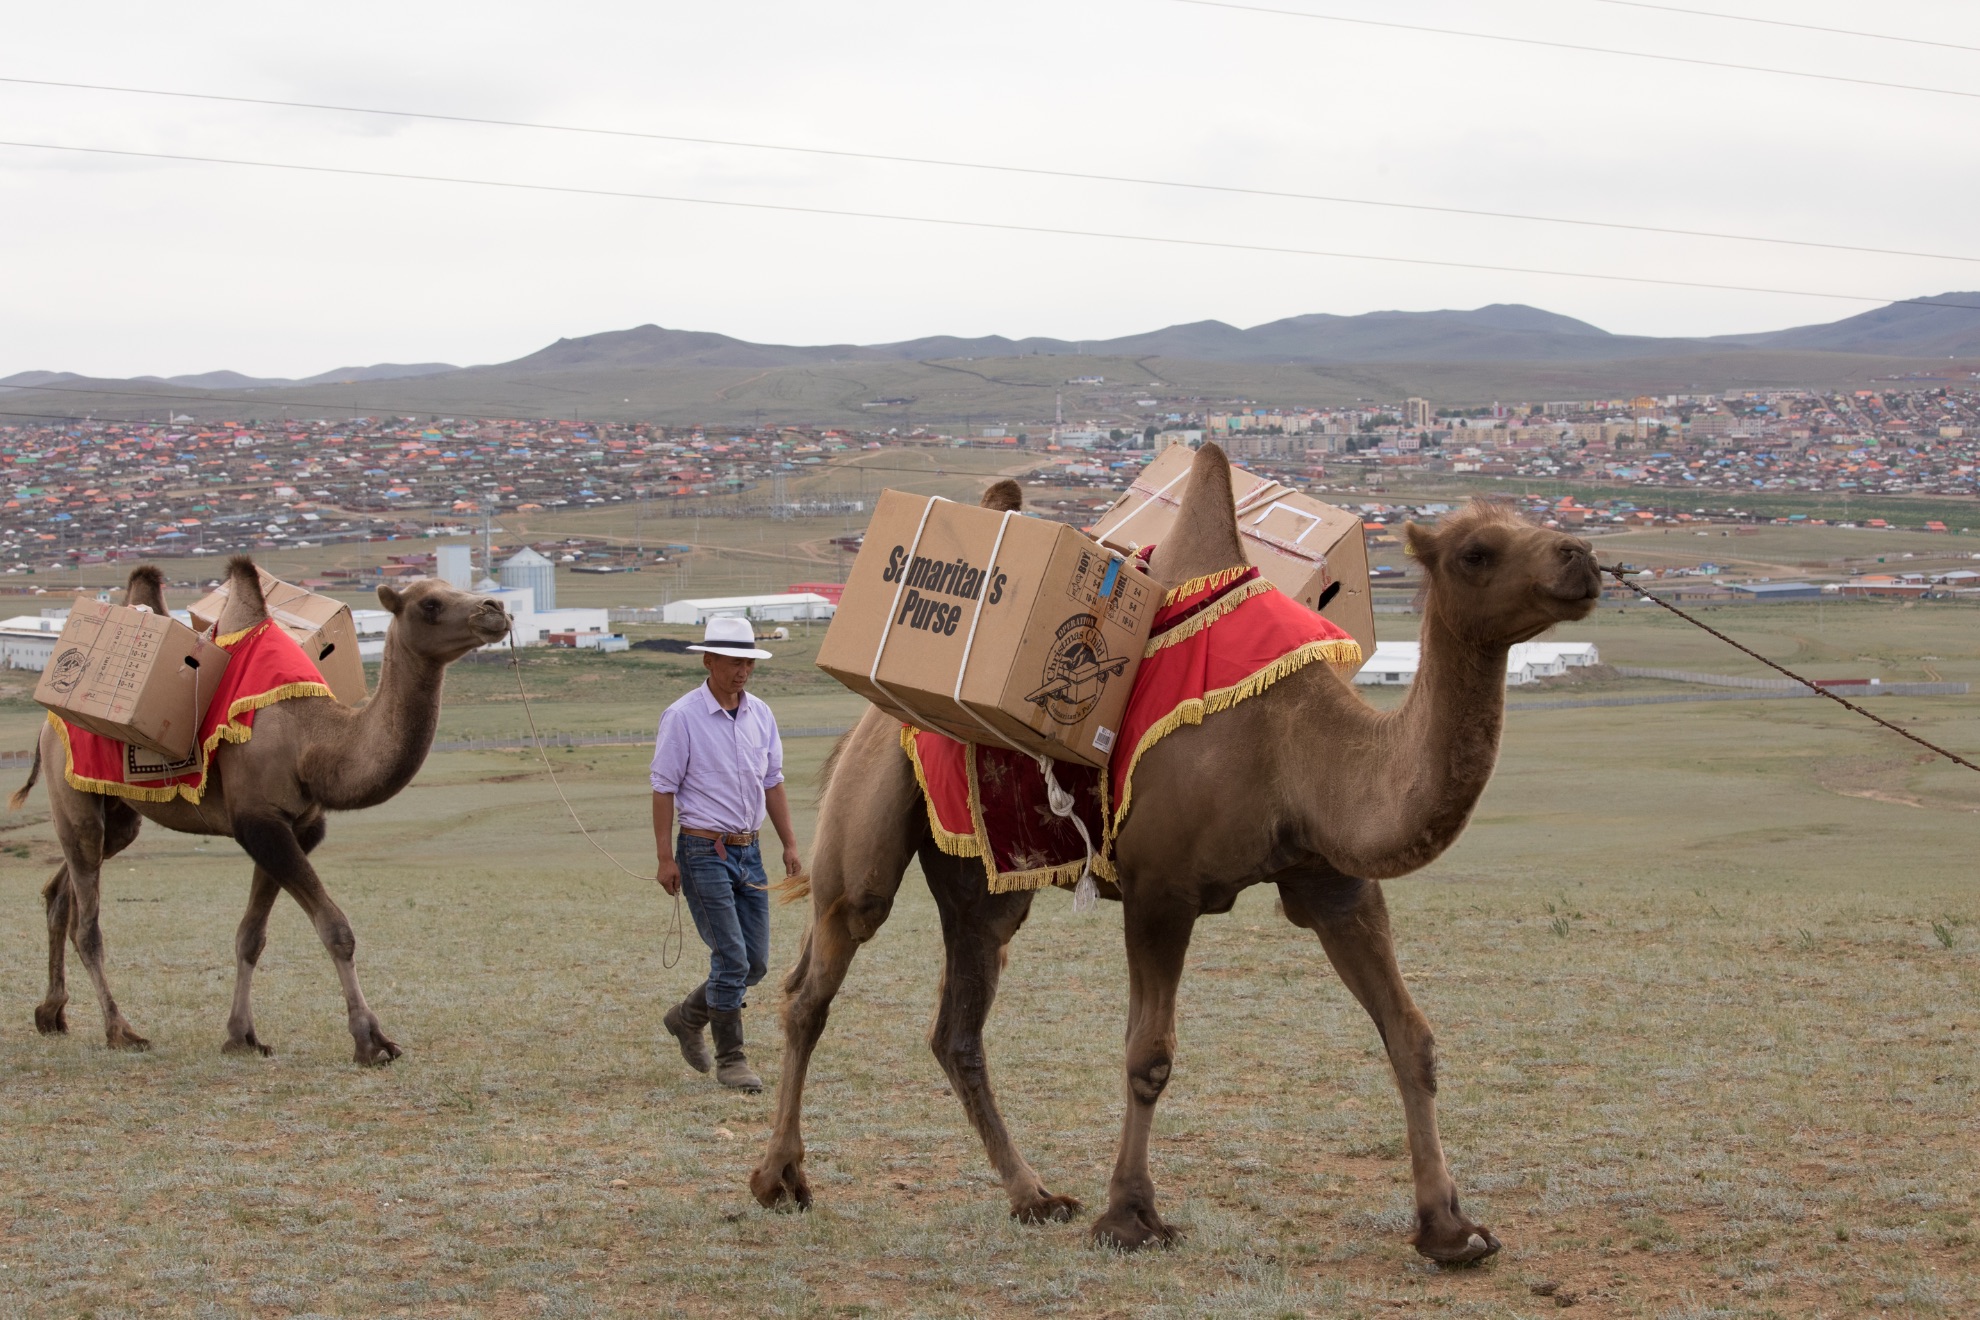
(729, 899)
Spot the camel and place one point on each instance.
(1304, 786)
(308, 756)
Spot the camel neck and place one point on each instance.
(1454, 713)
(391, 735)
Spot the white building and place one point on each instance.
(1396, 663)
(27, 640)
(786, 607)
(532, 625)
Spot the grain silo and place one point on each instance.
(529, 569)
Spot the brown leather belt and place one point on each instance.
(727, 840)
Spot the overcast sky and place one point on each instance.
(118, 266)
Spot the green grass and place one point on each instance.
(1705, 979)
(1703, 976)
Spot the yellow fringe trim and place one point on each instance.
(1205, 583)
(955, 845)
(234, 638)
(1337, 652)
(1182, 632)
(228, 730)
(1065, 875)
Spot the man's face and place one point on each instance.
(728, 675)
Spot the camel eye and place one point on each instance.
(431, 609)
(1475, 558)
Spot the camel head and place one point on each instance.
(1204, 538)
(1496, 579)
(441, 622)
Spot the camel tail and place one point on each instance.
(20, 795)
(791, 889)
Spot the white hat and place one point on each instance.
(730, 636)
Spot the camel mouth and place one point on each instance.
(491, 627)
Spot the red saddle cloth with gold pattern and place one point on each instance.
(1215, 641)
(266, 666)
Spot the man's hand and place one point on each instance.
(793, 864)
(669, 875)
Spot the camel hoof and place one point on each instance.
(1131, 1229)
(51, 1021)
(1477, 1244)
(127, 1040)
(1047, 1209)
(785, 1189)
(247, 1045)
(374, 1050)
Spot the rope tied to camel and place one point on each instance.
(1617, 571)
(676, 932)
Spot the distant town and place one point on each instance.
(88, 492)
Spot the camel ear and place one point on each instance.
(1420, 543)
(1004, 496)
(390, 598)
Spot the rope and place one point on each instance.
(1617, 573)
(674, 935)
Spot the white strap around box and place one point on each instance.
(1060, 801)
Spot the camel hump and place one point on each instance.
(1004, 496)
(245, 605)
(146, 587)
(1204, 539)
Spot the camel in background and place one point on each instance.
(1304, 786)
(308, 756)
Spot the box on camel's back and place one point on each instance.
(992, 627)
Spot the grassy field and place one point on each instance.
(1706, 981)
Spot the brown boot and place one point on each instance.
(685, 1021)
(731, 1068)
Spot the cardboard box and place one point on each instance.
(321, 626)
(129, 674)
(956, 618)
(1301, 546)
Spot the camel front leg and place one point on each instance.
(977, 927)
(1352, 920)
(1157, 939)
(249, 940)
(275, 848)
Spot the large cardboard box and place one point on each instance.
(321, 626)
(995, 629)
(129, 674)
(1301, 546)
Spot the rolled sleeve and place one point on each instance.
(773, 770)
(670, 754)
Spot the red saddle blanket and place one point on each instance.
(991, 802)
(266, 667)
(1215, 641)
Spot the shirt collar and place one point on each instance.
(710, 706)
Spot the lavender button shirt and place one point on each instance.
(717, 767)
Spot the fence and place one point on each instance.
(1789, 687)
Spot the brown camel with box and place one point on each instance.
(1304, 786)
(308, 756)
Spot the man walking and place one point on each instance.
(718, 765)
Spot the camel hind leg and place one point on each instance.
(1352, 919)
(51, 1015)
(977, 928)
(870, 820)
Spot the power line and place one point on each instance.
(993, 167)
(1782, 22)
(790, 208)
(1586, 50)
